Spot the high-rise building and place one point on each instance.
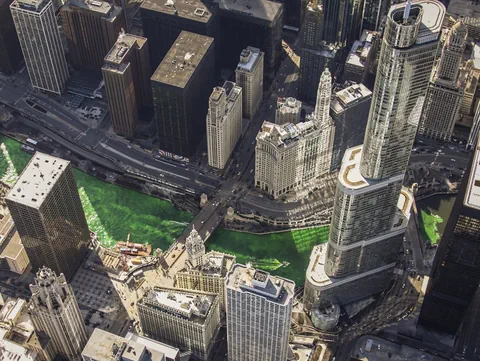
(455, 275)
(224, 123)
(181, 86)
(342, 21)
(247, 23)
(127, 81)
(208, 276)
(249, 76)
(13, 256)
(185, 319)
(373, 14)
(41, 44)
(163, 21)
(54, 310)
(361, 58)
(91, 28)
(473, 136)
(445, 91)
(289, 110)
(259, 311)
(46, 209)
(371, 208)
(105, 346)
(10, 51)
(349, 110)
(195, 248)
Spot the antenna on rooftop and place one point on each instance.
(406, 12)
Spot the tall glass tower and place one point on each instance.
(371, 209)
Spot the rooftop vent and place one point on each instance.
(200, 11)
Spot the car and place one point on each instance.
(453, 160)
(403, 286)
(271, 106)
(129, 147)
(253, 141)
(251, 171)
(239, 173)
(237, 165)
(379, 347)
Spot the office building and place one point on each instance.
(46, 209)
(471, 78)
(246, 23)
(294, 13)
(371, 208)
(342, 21)
(54, 310)
(13, 256)
(473, 136)
(127, 81)
(373, 13)
(362, 57)
(163, 21)
(445, 91)
(41, 44)
(181, 86)
(19, 340)
(209, 276)
(249, 76)
(224, 123)
(195, 249)
(455, 275)
(10, 51)
(288, 110)
(185, 319)
(91, 28)
(105, 346)
(259, 311)
(349, 110)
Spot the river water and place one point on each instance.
(438, 205)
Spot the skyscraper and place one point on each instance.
(41, 45)
(54, 310)
(455, 275)
(10, 51)
(289, 110)
(46, 209)
(127, 81)
(249, 76)
(259, 311)
(342, 21)
(373, 12)
(91, 28)
(445, 91)
(371, 208)
(224, 123)
(181, 86)
(195, 248)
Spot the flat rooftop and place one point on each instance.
(189, 304)
(170, 352)
(122, 47)
(104, 346)
(249, 59)
(32, 5)
(195, 10)
(285, 135)
(472, 196)
(260, 9)
(182, 59)
(100, 7)
(464, 8)
(349, 96)
(37, 180)
(247, 279)
(10, 242)
(361, 49)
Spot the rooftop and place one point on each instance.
(37, 180)
(10, 243)
(472, 196)
(195, 10)
(260, 9)
(192, 305)
(215, 264)
(361, 49)
(170, 352)
(182, 59)
(249, 59)
(286, 134)
(464, 8)
(349, 96)
(246, 279)
(100, 7)
(105, 346)
(33, 5)
(121, 48)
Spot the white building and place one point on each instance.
(41, 44)
(12, 251)
(195, 248)
(54, 310)
(182, 318)
(224, 123)
(259, 311)
(288, 110)
(249, 76)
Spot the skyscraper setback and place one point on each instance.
(371, 208)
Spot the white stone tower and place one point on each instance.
(322, 106)
(195, 248)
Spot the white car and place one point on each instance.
(453, 160)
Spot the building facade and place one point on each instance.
(373, 14)
(289, 110)
(445, 91)
(181, 86)
(259, 311)
(455, 275)
(185, 319)
(224, 123)
(249, 76)
(349, 110)
(91, 28)
(10, 51)
(13, 256)
(342, 21)
(362, 57)
(365, 238)
(127, 81)
(41, 44)
(54, 310)
(46, 209)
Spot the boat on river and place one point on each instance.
(133, 249)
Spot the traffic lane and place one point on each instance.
(460, 160)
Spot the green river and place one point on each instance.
(113, 211)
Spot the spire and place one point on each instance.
(406, 12)
(322, 106)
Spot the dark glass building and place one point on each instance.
(181, 86)
(10, 51)
(342, 21)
